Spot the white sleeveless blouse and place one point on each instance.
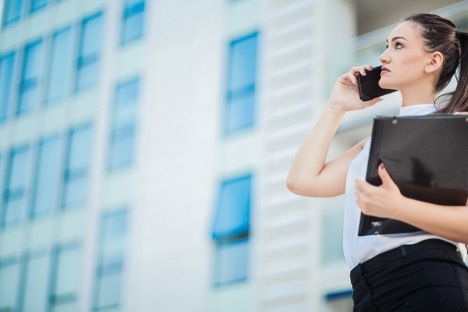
(358, 249)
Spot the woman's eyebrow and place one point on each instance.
(396, 38)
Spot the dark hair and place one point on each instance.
(440, 34)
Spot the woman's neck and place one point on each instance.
(422, 93)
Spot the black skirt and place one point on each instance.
(429, 276)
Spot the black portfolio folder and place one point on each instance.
(426, 156)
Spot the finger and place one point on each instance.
(384, 175)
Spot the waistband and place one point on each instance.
(399, 252)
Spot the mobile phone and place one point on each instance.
(369, 85)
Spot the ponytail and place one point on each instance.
(459, 98)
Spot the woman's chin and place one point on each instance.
(385, 85)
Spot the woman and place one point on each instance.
(420, 271)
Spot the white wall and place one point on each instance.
(171, 252)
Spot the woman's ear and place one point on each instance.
(435, 62)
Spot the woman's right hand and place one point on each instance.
(345, 94)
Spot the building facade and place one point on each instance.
(144, 147)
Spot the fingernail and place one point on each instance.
(382, 166)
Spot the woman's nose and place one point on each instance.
(383, 58)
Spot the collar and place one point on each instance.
(417, 110)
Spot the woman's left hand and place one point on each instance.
(379, 201)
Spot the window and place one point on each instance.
(29, 91)
(332, 231)
(37, 5)
(48, 176)
(9, 283)
(340, 301)
(16, 186)
(66, 278)
(89, 52)
(111, 255)
(12, 11)
(61, 64)
(7, 63)
(241, 84)
(231, 228)
(133, 20)
(36, 283)
(122, 137)
(75, 188)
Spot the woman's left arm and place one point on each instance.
(386, 201)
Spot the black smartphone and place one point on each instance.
(369, 85)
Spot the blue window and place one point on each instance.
(75, 186)
(37, 5)
(133, 20)
(89, 52)
(65, 278)
(7, 63)
(231, 228)
(29, 88)
(35, 294)
(48, 177)
(61, 65)
(109, 273)
(241, 84)
(17, 186)
(122, 137)
(9, 283)
(12, 11)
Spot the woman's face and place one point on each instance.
(404, 60)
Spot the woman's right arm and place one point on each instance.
(310, 174)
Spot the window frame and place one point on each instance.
(246, 92)
(116, 267)
(231, 238)
(129, 11)
(11, 96)
(84, 61)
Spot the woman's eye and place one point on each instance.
(398, 45)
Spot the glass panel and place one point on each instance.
(121, 149)
(123, 124)
(79, 149)
(9, 282)
(12, 10)
(14, 209)
(111, 254)
(16, 190)
(48, 176)
(67, 275)
(232, 262)
(241, 80)
(240, 112)
(87, 75)
(126, 100)
(233, 210)
(37, 5)
(36, 284)
(109, 290)
(30, 78)
(242, 62)
(64, 307)
(75, 191)
(133, 20)
(61, 58)
(19, 168)
(114, 230)
(6, 82)
(91, 38)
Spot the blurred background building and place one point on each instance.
(144, 147)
